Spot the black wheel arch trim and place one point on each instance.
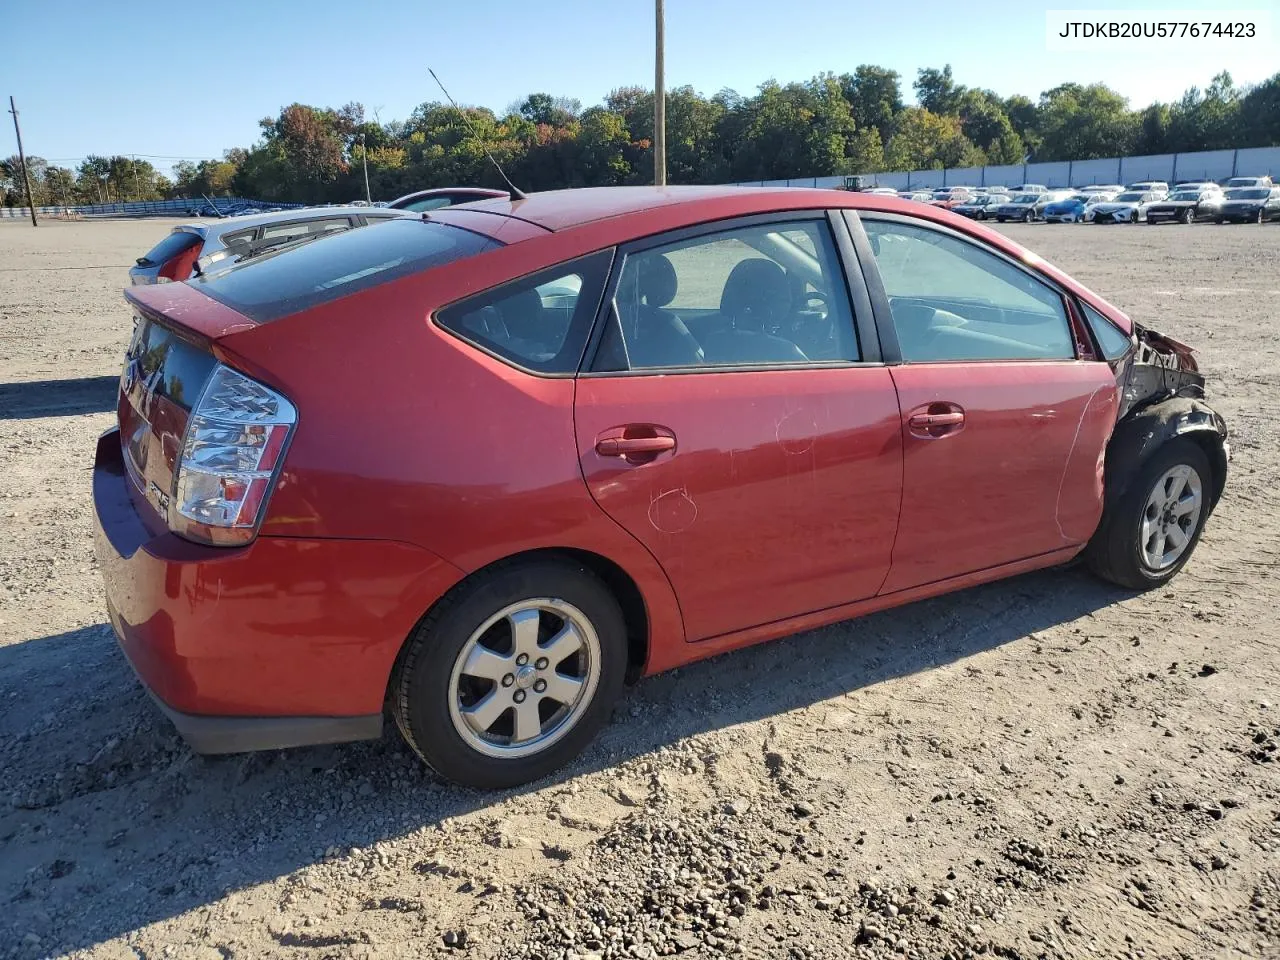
(1145, 430)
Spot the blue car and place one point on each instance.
(1067, 210)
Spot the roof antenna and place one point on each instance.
(515, 191)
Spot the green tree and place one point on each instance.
(1260, 114)
(937, 90)
(923, 140)
(874, 95)
(1084, 123)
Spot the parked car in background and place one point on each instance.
(1128, 207)
(435, 199)
(1029, 207)
(196, 247)
(1250, 205)
(301, 527)
(1029, 188)
(919, 196)
(948, 197)
(881, 191)
(1235, 182)
(1149, 186)
(1111, 188)
(1195, 185)
(981, 207)
(1187, 206)
(1072, 208)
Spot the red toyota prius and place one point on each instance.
(477, 470)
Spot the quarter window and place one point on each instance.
(766, 294)
(541, 322)
(952, 300)
(1113, 342)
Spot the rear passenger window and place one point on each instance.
(540, 323)
(767, 294)
(952, 300)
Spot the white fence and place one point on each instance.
(1171, 167)
(137, 208)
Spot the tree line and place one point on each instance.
(846, 123)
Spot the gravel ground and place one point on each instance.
(1045, 767)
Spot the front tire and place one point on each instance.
(512, 674)
(1189, 216)
(1152, 531)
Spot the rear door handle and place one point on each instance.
(924, 421)
(629, 446)
(936, 420)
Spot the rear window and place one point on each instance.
(278, 284)
(175, 243)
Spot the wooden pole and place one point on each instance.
(22, 159)
(659, 99)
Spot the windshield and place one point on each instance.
(1131, 197)
(1248, 194)
(1186, 195)
(1025, 198)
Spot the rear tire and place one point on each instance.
(1143, 522)
(478, 643)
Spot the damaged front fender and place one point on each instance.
(1161, 399)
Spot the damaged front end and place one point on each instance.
(1162, 398)
(1159, 368)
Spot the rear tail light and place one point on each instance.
(231, 452)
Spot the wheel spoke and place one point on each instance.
(524, 631)
(1150, 527)
(562, 645)
(1156, 553)
(528, 723)
(483, 662)
(485, 714)
(1176, 537)
(562, 689)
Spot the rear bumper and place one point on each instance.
(283, 642)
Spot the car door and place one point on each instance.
(736, 420)
(1005, 417)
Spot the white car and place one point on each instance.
(1128, 207)
(882, 191)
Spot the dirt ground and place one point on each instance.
(1044, 767)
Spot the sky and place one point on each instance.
(162, 81)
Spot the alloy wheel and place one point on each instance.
(524, 678)
(1169, 520)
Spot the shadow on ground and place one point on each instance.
(109, 823)
(57, 398)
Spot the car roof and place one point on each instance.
(556, 210)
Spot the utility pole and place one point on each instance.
(22, 159)
(659, 99)
(364, 161)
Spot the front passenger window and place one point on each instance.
(952, 300)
